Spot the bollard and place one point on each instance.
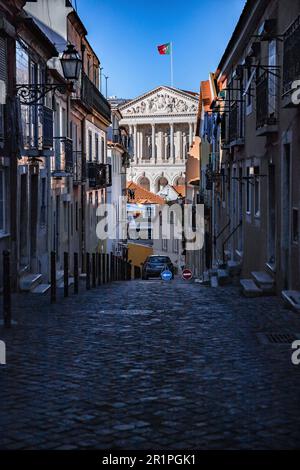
(99, 269)
(6, 289)
(123, 270)
(53, 276)
(76, 274)
(112, 267)
(107, 268)
(88, 272)
(128, 271)
(66, 274)
(94, 270)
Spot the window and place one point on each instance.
(164, 244)
(175, 245)
(102, 150)
(2, 201)
(90, 147)
(3, 83)
(97, 147)
(272, 78)
(248, 192)
(295, 228)
(43, 202)
(256, 191)
(76, 216)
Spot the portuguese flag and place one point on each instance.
(164, 49)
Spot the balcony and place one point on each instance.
(64, 165)
(92, 98)
(233, 123)
(99, 175)
(123, 140)
(291, 57)
(36, 125)
(266, 104)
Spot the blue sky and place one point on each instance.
(125, 35)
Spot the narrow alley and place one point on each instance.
(150, 364)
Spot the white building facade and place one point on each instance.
(162, 123)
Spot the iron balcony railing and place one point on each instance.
(233, 123)
(266, 99)
(92, 97)
(123, 140)
(64, 165)
(99, 175)
(291, 56)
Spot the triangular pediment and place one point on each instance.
(160, 102)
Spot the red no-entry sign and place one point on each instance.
(187, 274)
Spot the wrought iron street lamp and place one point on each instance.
(30, 94)
(71, 63)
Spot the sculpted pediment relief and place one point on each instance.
(161, 102)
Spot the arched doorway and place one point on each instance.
(144, 183)
(162, 183)
(180, 181)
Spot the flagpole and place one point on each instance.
(172, 77)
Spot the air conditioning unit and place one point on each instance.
(268, 30)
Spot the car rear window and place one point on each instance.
(159, 260)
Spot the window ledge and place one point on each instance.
(4, 235)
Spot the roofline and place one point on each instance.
(148, 93)
(247, 14)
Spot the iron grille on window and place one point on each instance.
(266, 109)
(291, 56)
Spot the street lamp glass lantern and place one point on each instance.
(71, 63)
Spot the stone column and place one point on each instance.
(190, 134)
(172, 154)
(180, 145)
(135, 143)
(141, 142)
(153, 143)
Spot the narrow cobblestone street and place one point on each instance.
(147, 364)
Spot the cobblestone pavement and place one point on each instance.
(147, 364)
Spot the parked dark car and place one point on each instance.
(155, 264)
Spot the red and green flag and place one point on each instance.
(164, 49)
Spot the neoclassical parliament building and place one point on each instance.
(162, 123)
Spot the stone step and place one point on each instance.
(264, 281)
(234, 267)
(214, 281)
(41, 289)
(292, 299)
(223, 276)
(60, 285)
(29, 281)
(250, 289)
(59, 276)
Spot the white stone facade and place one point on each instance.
(162, 123)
